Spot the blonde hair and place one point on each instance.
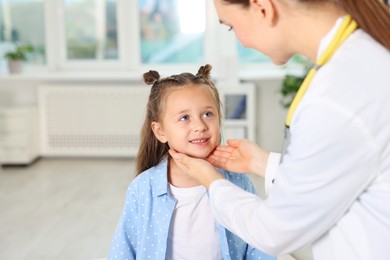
(151, 150)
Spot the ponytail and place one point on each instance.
(372, 16)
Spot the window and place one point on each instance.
(22, 22)
(172, 31)
(122, 34)
(91, 29)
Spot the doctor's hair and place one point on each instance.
(372, 16)
(151, 150)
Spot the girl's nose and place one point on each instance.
(200, 125)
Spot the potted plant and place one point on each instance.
(17, 57)
(291, 82)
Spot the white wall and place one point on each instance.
(270, 115)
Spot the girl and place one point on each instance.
(331, 186)
(167, 214)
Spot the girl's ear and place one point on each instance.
(159, 132)
(267, 10)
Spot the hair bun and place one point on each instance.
(204, 71)
(151, 77)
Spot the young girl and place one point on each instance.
(167, 214)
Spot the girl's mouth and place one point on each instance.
(199, 141)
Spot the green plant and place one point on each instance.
(289, 89)
(291, 83)
(20, 53)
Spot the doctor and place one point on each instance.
(331, 187)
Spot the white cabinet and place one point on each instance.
(18, 135)
(238, 111)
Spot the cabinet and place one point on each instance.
(18, 135)
(238, 111)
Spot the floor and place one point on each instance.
(61, 208)
(67, 208)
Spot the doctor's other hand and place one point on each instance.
(198, 169)
(240, 155)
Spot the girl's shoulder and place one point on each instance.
(144, 176)
(232, 175)
(153, 173)
(151, 178)
(240, 179)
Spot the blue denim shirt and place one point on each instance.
(143, 229)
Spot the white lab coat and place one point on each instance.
(333, 187)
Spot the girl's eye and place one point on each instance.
(184, 118)
(230, 28)
(208, 114)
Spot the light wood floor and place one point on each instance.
(67, 209)
(61, 208)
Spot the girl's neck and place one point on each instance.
(177, 178)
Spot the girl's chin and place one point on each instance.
(199, 155)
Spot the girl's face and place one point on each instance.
(190, 123)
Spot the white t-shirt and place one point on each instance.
(333, 187)
(193, 233)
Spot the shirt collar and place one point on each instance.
(160, 178)
(329, 37)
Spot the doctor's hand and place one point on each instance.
(198, 169)
(240, 155)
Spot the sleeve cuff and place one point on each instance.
(271, 171)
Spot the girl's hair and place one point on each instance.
(372, 16)
(151, 150)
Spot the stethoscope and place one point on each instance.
(346, 28)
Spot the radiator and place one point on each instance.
(90, 120)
